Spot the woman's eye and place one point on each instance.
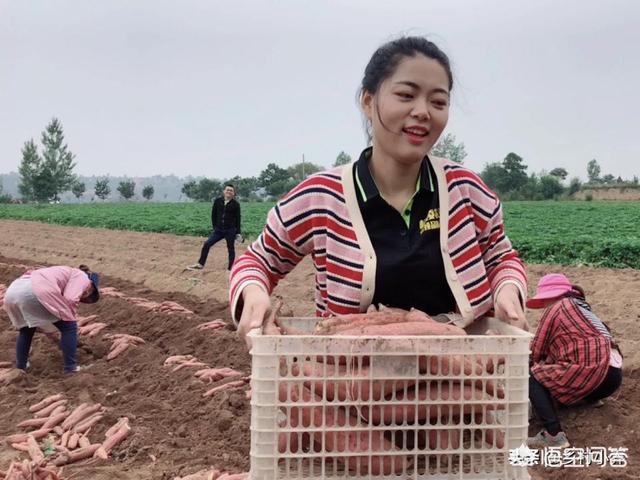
(440, 103)
(405, 95)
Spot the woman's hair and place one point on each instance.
(84, 268)
(575, 292)
(385, 60)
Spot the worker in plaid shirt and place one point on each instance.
(573, 356)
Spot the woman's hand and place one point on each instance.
(508, 307)
(256, 308)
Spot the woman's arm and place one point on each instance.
(504, 268)
(267, 260)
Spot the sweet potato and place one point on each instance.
(176, 359)
(371, 444)
(34, 450)
(80, 413)
(80, 454)
(22, 437)
(117, 351)
(84, 442)
(46, 402)
(58, 409)
(116, 438)
(73, 441)
(213, 325)
(403, 328)
(412, 412)
(33, 423)
(226, 386)
(64, 439)
(87, 423)
(123, 336)
(22, 447)
(215, 374)
(56, 420)
(82, 321)
(190, 363)
(6, 364)
(116, 426)
(95, 331)
(46, 411)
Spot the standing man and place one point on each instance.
(225, 219)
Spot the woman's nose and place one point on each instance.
(421, 110)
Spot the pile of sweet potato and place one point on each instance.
(341, 393)
(64, 434)
(208, 374)
(166, 306)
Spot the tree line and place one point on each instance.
(45, 174)
(48, 172)
(510, 180)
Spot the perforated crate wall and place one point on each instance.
(334, 407)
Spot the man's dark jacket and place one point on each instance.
(225, 217)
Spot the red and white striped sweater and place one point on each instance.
(320, 217)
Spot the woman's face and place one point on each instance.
(410, 109)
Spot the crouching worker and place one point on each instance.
(574, 357)
(47, 299)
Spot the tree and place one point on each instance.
(78, 188)
(608, 178)
(275, 180)
(208, 189)
(516, 170)
(102, 188)
(190, 189)
(574, 186)
(127, 189)
(342, 159)
(593, 171)
(4, 197)
(58, 161)
(300, 171)
(203, 191)
(147, 192)
(559, 172)
(550, 187)
(44, 177)
(30, 171)
(448, 148)
(495, 176)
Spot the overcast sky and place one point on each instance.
(220, 88)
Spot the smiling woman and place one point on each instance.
(397, 227)
(366, 223)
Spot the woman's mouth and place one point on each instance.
(416, 135)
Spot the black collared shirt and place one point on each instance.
(410, 271)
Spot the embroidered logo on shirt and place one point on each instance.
(431, 221)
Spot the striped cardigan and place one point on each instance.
(570, 356)
(320, 217)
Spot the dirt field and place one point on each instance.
(175, 430)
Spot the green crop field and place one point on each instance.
(592, 233)
(176, 218)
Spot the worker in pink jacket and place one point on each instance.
(48, 299)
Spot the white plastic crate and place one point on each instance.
(304, 410)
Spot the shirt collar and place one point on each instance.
(367, 186)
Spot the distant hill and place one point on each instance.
(167, 188)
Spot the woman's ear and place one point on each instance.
(366, 102)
